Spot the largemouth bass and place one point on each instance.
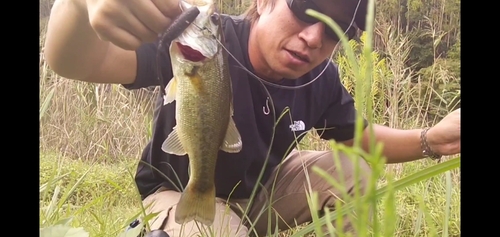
(201, 87)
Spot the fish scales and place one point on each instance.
(205, 98)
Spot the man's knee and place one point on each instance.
(164, 204)
(350, 172)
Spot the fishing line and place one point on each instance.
(283, 86)
(187, 18)
(263, 81)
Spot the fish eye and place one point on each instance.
(215, 18)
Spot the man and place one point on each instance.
(113, 41)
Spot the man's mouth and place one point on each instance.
(189, 53)
(299, 56)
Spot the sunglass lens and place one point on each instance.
(299, 8)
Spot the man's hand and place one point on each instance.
(444, 137)
(129, 23)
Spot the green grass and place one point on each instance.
(106, 200)
(99, 197)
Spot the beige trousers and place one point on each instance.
(291, 181)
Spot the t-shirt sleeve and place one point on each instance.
(338, 122)
(147, 67)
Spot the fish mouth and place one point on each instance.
(189, 53)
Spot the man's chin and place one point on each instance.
(293, 73)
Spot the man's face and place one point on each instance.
(285, 46)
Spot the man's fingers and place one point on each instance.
(148, 13)
(136, 22)
(169, 8)
(107, 31)
(123, 39)
(139, 30)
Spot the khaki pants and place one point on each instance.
(290, 208)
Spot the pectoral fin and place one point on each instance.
(173, 144)
(170, 91)
(232, 142)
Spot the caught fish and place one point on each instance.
(201, 87)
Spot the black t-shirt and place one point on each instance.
(323, 104)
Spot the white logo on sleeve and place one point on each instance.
(297, 126)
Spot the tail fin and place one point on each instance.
(199, 206)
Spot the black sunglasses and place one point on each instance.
(299, 7)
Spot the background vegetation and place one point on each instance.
(91, 136)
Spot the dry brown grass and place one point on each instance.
(92, 121)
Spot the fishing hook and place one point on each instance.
(265, 109)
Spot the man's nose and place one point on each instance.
(313, 34)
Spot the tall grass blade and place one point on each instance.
(428, 219)
(44, 186)
(418, 222)
(312, 201)
(46, 103)
(390, 211)
(63, 231)
(65, 221)
(51, 209)
(448, 204)
(66, 195)
(329, 223)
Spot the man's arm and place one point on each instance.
(95, 40)
(73, 50)
(406, 145)
(399, 145)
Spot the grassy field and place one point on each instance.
(91, 137)
(105, 199)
